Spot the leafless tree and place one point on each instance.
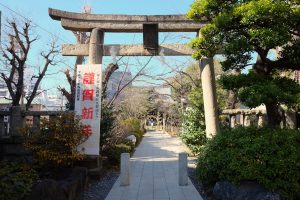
(15, 51)
(81, 38)
(135, 103)
(140, 74)
(122, 85)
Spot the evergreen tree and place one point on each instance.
(241, 28)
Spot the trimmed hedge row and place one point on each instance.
(269, 156)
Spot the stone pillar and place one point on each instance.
(125, 169)
(209, 96)
(260, 120)
(247, 120)
(182, 173)
(242, 117)
(16, 121)
(96, 46)
(232, 120)
(95, 57)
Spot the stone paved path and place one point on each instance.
(154, 172)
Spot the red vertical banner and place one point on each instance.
(88, 105)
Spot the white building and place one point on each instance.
(118, 80)
(55, 102)
(164, 93)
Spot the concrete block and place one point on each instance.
(125, 169)
(182, 164)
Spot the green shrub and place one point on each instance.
(106, 124)
(114, 152)
(134, 126)
(193, 126)
(16, 180)
(56, 142)
(269, 156)
(193, 131)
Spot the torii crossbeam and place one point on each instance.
(125, 23)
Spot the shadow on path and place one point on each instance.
(154, 172)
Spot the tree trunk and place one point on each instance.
(274, 114)
(232, 96)
(232, 100)
(111, 68)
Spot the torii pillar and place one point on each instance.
(96, 46)
(95, 55)
(207, 74)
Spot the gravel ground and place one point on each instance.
(99, 189)
(206, 193)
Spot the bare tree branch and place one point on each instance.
(49, 59)
(120, 89)
(111, 68)
(16, 52)
(81, 38)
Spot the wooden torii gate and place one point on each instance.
(150, 26)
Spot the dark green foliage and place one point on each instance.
(106, 125)
(255, 89)
(193, 127)
(269, 156)
(115, 152)
(241, 29)
(16, 180)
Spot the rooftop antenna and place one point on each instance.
(86, 8)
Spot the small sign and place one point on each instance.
(88, 105)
